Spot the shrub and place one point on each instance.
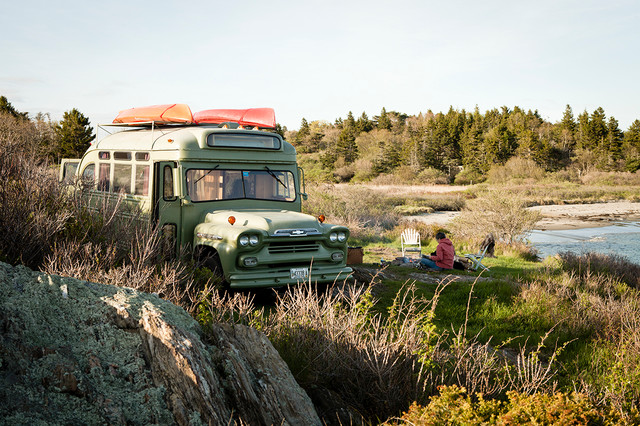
(611, 178)
(469, 176)
(504, 216)
(431, 176)
(455, 406)
(515, 170)
(33, 206)
(365, 213)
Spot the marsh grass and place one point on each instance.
(380, 360)
(614, 266)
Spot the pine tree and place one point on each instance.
(632, 147)
(364, 124)
(614, 140)
(74, 135)
(583, 135)
(598, 129)
(566, 130)
(632, 135)
(6, 107)
(304, 128)
(346, 146)
(384, 122)
(301, 139)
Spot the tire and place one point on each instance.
(210, 259)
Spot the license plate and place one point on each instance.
(299, 273)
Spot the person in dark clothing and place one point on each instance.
(443, 257)
(489, 244)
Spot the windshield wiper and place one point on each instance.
(273, 175)
(206, 174)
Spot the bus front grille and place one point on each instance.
(293, 247)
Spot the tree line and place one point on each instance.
(50, 140)
(469, 143)
(457, 143)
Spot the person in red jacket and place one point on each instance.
(443, 258)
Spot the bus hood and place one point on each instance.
(274, 222)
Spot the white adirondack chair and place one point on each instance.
(410, 242)
(476, 259)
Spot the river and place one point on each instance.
(621, 238)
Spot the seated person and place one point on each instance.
(443, 257)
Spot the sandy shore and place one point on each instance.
(571, 216)
(564, 216)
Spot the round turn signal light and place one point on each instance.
(232, 219)
(321, 218)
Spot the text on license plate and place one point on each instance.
(299, 273)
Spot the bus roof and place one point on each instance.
(195, 141)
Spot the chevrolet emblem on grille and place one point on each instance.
(296, 232)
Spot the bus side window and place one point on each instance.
(89, 175)
(142, 180)
(69, 171)
(167, 190)
(103, 176)
(122, 178)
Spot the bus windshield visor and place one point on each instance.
(216, 184)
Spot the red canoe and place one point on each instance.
(255, 117)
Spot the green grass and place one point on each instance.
(495, 314)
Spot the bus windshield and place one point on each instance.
(218, 184)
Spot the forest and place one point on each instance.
(460, 146)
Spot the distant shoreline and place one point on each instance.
(563, 216)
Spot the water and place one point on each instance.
(622, 238)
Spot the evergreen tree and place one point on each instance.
(598, 129)
(304, 128)
(632, 136)
(301, 138)
(632, 147)
(566, 130)
(346, 146)
(583, 135)
(364, 124)
(350, 122)
(280, 130)
(74, 135)
(6, 107)
(613, 144)
(384, 122)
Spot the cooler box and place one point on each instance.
(354, 255)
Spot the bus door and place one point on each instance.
(167, 212)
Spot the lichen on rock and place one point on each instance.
(79, 352)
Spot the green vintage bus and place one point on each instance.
(221, 182)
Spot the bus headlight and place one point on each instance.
(254, 240)
(243, 241)
(333, 237)
(342, 237)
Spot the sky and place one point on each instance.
(320, 60)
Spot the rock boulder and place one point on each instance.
(76, 352)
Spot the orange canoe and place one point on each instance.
(160, 114)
